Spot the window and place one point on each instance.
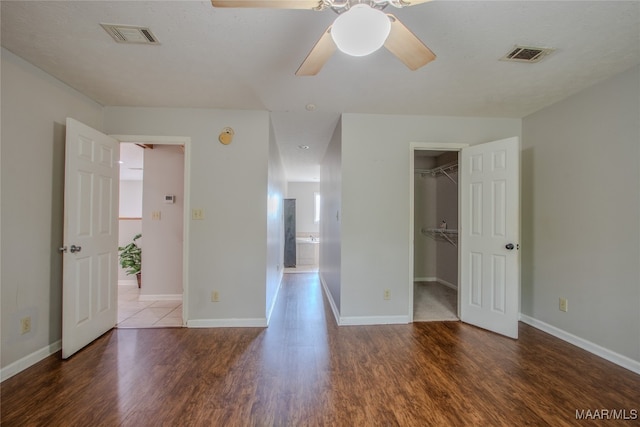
(316, 207)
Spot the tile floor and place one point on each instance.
(133, 313)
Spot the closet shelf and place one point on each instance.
(447, 234)
(440, 170)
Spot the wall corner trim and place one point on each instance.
(360, 320)
(275, 298)
(605, 353)
(332, 303)
(29, 360)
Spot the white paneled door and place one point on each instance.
(489, 236)
(89, 296)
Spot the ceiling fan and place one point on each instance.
(358, 21)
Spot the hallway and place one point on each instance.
(305, 370)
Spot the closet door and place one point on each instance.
(489, 235)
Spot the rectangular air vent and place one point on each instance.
(130, 34)
(526, 54)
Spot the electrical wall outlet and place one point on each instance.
(197, 213)
(156, 215)
(564, 305)
(387, 294)
(215, 296)
(25, 325)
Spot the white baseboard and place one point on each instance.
(360, 320)
(332, 303)
(611, 356)
(160, 297)
(29, 360)
(373, 320)
(227, 323)
(436, 279)
(424, 279)
(448, 284)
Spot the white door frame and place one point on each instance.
(186, 142)
(425, 146)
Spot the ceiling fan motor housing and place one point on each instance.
(361, 30)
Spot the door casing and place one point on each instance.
(425, 146)
(186, 142)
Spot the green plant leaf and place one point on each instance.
(131, 256)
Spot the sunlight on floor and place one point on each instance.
(133, 313)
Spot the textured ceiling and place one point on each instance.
(246, 59)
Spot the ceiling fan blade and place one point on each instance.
(318, 56)
(406, 46)
(274, 4)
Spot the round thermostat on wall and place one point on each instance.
(226, 136)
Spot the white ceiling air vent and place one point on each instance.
(527, 54)
(130, 34)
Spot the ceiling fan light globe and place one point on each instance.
(361, 30)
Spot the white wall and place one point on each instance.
(275, 223)
(580, 217)
(424, 247)
(303, 192)
(130, 199)
(162, 239)
(375, 204)
(34, 110)
(228, 249)
(447, 209)
(330, 216)
(435, 200)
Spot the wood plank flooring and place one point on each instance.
(305, 370)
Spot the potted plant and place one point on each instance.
(131, 258)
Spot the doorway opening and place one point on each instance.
(435, 248)
(153, 193)
(301, 216)
(433, 224)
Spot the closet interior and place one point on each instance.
(435, 263)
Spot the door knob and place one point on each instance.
(73, 249)
(509, 246)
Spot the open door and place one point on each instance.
(89, 295)
(489, 236)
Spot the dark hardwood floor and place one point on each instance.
(305, 370)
